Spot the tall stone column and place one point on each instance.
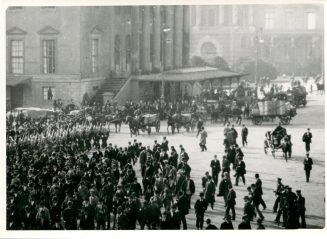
(186, 35)
(221, 15)
(168, 39)
(146, 67)
(178, 37)
(135, 61)
(156, 39)
(112, 39)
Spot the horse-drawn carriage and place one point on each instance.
(151, 120)
(269, 110)
(143, 122)
(186, 120)
(278, 141)
(297, 96)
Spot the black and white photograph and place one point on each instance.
(164, 116)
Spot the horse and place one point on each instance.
(133, 124)
(320, 88)
(171, 122)
(286, 146)
(115, 119)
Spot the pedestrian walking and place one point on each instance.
(199, 126)
(256, 199)
(224, 187)
(215, 169)
(258, 185)
(300, 201)
(203, 139)
(278, 192)
(200, 207)
(249, 210)
(307, 167)
(183, 208)
(210, 192)
(231, 202)
(240, 171)
(244, 134)
(307, 139)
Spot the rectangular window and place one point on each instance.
(49, 93)
(48, 56)
(95, 52)
(17, 57)
(311, 20)
(269, 20)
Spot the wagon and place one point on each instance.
(269, 110)
(186, 120)
(151, 120)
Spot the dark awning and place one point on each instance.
(16, 80)
(195, 74)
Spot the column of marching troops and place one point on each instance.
(77, 181)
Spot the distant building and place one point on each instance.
(67, 52)
(288, 36)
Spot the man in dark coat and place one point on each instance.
(210, 192)
(183, 208)
(210, 226)
(227, 224)
(249, 210)
(200, 207)
(307, 167)
(245, 224)
(188, 187)
(258, 185)
(256, 199)
(231, 201)
(223, 187)
(306, 138)
(300, 201)
(278, 193)
(215, 169)
(240, 171)
(245, 133)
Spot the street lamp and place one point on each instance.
(164, 41)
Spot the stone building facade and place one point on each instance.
(66, 52)
(288, 36)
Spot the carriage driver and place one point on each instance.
(279, 132)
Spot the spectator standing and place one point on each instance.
(307, 167)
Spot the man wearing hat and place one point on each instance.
(231, 201)
(248, 208)
(227, 224)
(300, 201)
(215, 169)
(210, 192)
(306, 138)
(278, 193)
(200, 207)
(307, 167)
